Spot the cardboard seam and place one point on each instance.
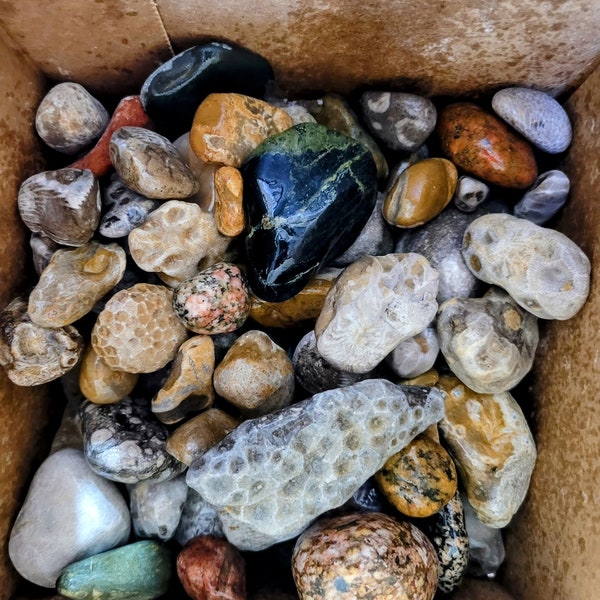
(154, 4)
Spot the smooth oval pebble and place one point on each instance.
(138, 571)
(545, 197)
(416, 355)
(364, 556)
(536, 116)
(542, 269)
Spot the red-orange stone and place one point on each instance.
(210, 568)
(479, 143)
(129, 112)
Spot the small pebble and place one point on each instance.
(364, 556)
(198, 518)
(416, 355)
(229, 207)
(42, 249)
(470, 193)
(366, 498)
(536, 116)
(544, 199)
(476, 589)
(401, 121)
(69, 118)
(210, 568)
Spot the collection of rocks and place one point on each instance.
(268, 307)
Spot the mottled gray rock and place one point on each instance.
(199, 517)
(42, 249)
(156, 507)
(535, 115)
(544, 199)
(542, 269)
(412, 357)
(69, 513)
(124, 442)
(470, 193)
(280, 471)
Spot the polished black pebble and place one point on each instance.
(173, 92)
(308, 192)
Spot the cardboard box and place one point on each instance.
(436, 47)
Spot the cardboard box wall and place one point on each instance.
(436, 47)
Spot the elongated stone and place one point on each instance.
(138, 571)
(42, 249)
(59, 522)
(229, 206)
(254, 480)
(545, 197)
(296, 186)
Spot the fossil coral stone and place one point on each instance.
(375, 304)
(74, 281)
(229, 206)
(276, 473)
(176, 241)
(63, 205)
(415, 355)
(364, 556)
(189, 386)
(542, 269)
(490, 342)
(32, 354)
(138, 331)
(150, 165)
(256, 375)
(492, 445)
(227, 127)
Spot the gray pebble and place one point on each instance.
(42, 249)
(544, 199)
(197, 518)
(412, 357)
(470, 193)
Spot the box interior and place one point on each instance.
(438, 48)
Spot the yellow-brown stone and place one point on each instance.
(420, 192)
(227, 127)
(430, 377)
(229, 207)
(420, 479)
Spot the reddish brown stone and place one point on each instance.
(129, 112)
(482, 145)
(210, 568)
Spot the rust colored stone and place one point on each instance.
(210, 568)
(229, 208)
(482, 145)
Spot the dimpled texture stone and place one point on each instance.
(124, 442)
(32, 355)
(198, 518)
(415, 355)
(256, 375)
(229, 205)
(544, 271)
(227, 127)
(73, 282)
(58, 523)
(214, 301)
(492, 445)
(420, 479)
(482, 145)
(489, 343)
(545, 198)
(536, 116)
(150, 165)
(276, 473)
(366, 556)
(375, 304)
(64, 205)
(175, 240)
(401, 121)
(138, 571)
(69, 118)
(138, 331)
(296, 186)
(210, 568)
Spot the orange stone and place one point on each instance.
(227, 127)
(229, 207)
(482, 145)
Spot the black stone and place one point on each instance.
(308, 192)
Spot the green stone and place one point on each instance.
(139, 571)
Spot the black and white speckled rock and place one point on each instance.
(447, 532)
(470, 193)
(545, 198)
(124, 442)
(199, 517)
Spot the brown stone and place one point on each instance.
(227, 127)
(477, 589)
(430, 377)
(229, 208)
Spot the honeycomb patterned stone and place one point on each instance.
(138, 331)
(278, 472)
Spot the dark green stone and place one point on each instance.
(173, 92)
(139, 571)
(308, 192)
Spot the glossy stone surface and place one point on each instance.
(138, 571)
(545, 197)
(198, 518)
(59, 518)
(172, 93)
(296, 185)
(42, 249)
(542, 269)
(229, 206)
(482, 145)
(470, 193)
(364, 556)
(253, 481)
(416, 355)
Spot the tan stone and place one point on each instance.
(200, 433)
(227, 127)
(229, 208)
(430, 377)
(188, 388)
